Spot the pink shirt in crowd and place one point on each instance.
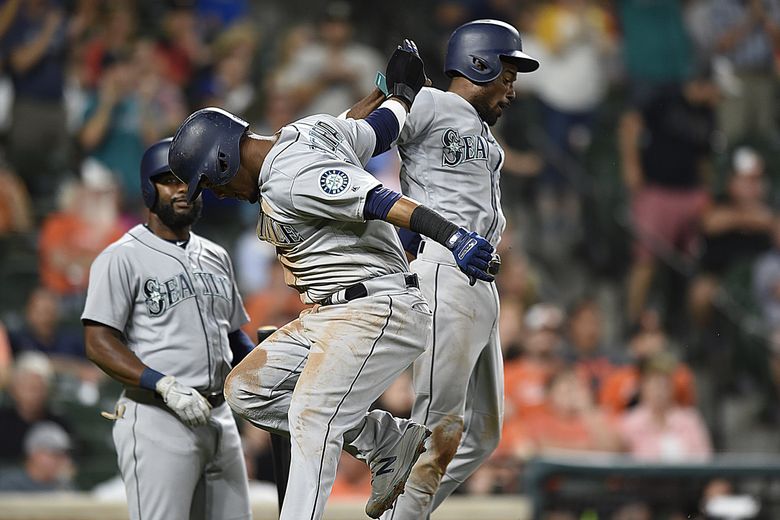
(683, 435)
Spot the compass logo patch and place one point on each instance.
(334, 182)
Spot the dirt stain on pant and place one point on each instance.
(430, 468)
(245, 377)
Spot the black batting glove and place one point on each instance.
(405, 73)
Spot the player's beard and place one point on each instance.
(488, 114)
(178, 219)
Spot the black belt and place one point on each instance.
(353, 292)
(144, 396)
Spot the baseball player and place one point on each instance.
(452, 162)
(163, 317)
(332, 225)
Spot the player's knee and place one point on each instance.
(233, 391)
(488, 441)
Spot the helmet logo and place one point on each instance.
(478, 63)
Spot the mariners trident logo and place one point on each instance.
(334, 182)
(459, 149)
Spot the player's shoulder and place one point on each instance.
(209, 245)
(124, 247)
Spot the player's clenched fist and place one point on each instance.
(186, 402)
(472, 254)
(405, 72)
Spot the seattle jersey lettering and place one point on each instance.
(276, 233)
(458, 150)
(162, 296)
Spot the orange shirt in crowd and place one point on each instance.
(622, 386)
(525, 383)
(271, 308)
(68, 245)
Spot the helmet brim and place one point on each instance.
(523, 61)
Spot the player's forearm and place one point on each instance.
(365, 106)
(107, 351)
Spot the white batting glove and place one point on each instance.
(186, 402)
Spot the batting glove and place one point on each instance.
(472, 254)
(186, 402)
(405, 72)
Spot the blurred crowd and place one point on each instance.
(640, 286)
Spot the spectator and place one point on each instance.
(72, 238)
(766, 281)
(586, 351)
(29, 392)
(334, 71)
(747, 32)
(230, 85)
(47, 465)
(182, 44)
(659, 429)
(526, 378)
(620, 390)
(656, 47)
(665, 149)
(120, 121)
(575, 40)
(15, 207)
(569, 421)
(37, 45)
(737, 229)
(157, 94)
(116, 36)
(43, 332)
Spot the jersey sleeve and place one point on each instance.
(110, 294)
(335, 191)
(420, 118)
(358, 135)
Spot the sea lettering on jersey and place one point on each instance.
(323, 135)
(276, 233)
(458, 149)
(161, 296)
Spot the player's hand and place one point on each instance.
(472, 254)
(405, 73)
(186, 402)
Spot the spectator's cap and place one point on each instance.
(96, 176)
(32, 362)
(543, 316)
(338, 11)
(46, 436)
(747, 161)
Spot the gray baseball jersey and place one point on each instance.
(175, 308)
(313, 189)
(317, 376)
(451, 162)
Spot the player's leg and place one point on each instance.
(484, 418)
(259, 389)
(159, 460)
(357, 350)
(226, 490)
(463, 319)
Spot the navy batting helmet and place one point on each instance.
(475, 50)
(206, 145)
(153, 163)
